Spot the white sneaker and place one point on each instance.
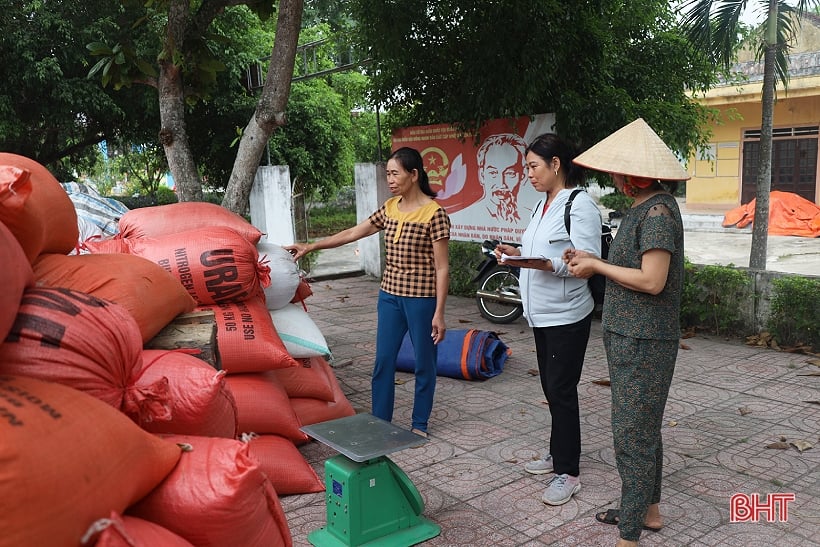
(539, 467)
(560, 489)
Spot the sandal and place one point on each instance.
(419, 432)
(613, 516)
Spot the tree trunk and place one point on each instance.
(760, 228)
(172, 134)
(270, 111)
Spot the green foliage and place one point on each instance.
(454, 61)
(315, 143)
(327, 220)
(165, 195)
(465, 256)
(712, 297)
(616, 201)
(795, 311)
(49, 110)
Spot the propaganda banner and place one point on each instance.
(481, 180)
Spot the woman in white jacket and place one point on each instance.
(557, 305)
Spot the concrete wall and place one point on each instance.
(270, 204)
(371, 193)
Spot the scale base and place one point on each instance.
(371, 504)
(419, 533)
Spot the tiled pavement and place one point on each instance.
(728, 401)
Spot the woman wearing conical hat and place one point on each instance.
(641, 314)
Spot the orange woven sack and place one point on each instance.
(83, 342)
(183, 216)
(27, 229)
(15, 276)
(263, 407)
(303, 291)
(284, 465)
(314, 411)
(217, 496)
(309, 379)
(68, 460)
(215, 265)
(200, 401)
(248, 341)
(150, 294)
(48, 208)
(109, 245)
(125, 531)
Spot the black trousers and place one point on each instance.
(560, 351)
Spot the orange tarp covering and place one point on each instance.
(789, 215)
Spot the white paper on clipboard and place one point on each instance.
(506, 257)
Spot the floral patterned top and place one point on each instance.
(654, 224)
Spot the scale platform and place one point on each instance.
(370, 501)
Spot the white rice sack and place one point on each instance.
(300, 334)
(284, 275)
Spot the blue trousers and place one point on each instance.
(396, 316)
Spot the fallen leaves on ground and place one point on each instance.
(672, 423)
(763, 339)
(780, 445)
(602, 382)
(684, 346)
(744, 410)
(533, 372)
(784, 444)
(801, 445)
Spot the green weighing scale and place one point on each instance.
(370, 501)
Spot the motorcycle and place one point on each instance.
(498, 295)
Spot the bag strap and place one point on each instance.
(568, 206)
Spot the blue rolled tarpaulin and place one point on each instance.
(464, 354)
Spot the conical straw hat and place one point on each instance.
(635, 150)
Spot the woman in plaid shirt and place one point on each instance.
(414, 283)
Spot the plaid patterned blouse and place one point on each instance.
(408, 241)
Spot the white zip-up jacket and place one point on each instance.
(558, 298)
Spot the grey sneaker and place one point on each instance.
(539, 467)
(560, 489)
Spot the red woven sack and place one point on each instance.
(69, 459)
(183, 216)
(309, 379)
(284, 465)
(314, 411)
(248, 341)
(47, 210)
(200, 401)
(303, 291)
(215, 265)
(25, 227)
(86, 343)
(125, 531)
(217, 496)
(150, 294)
(15, 276)
(263, 407)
